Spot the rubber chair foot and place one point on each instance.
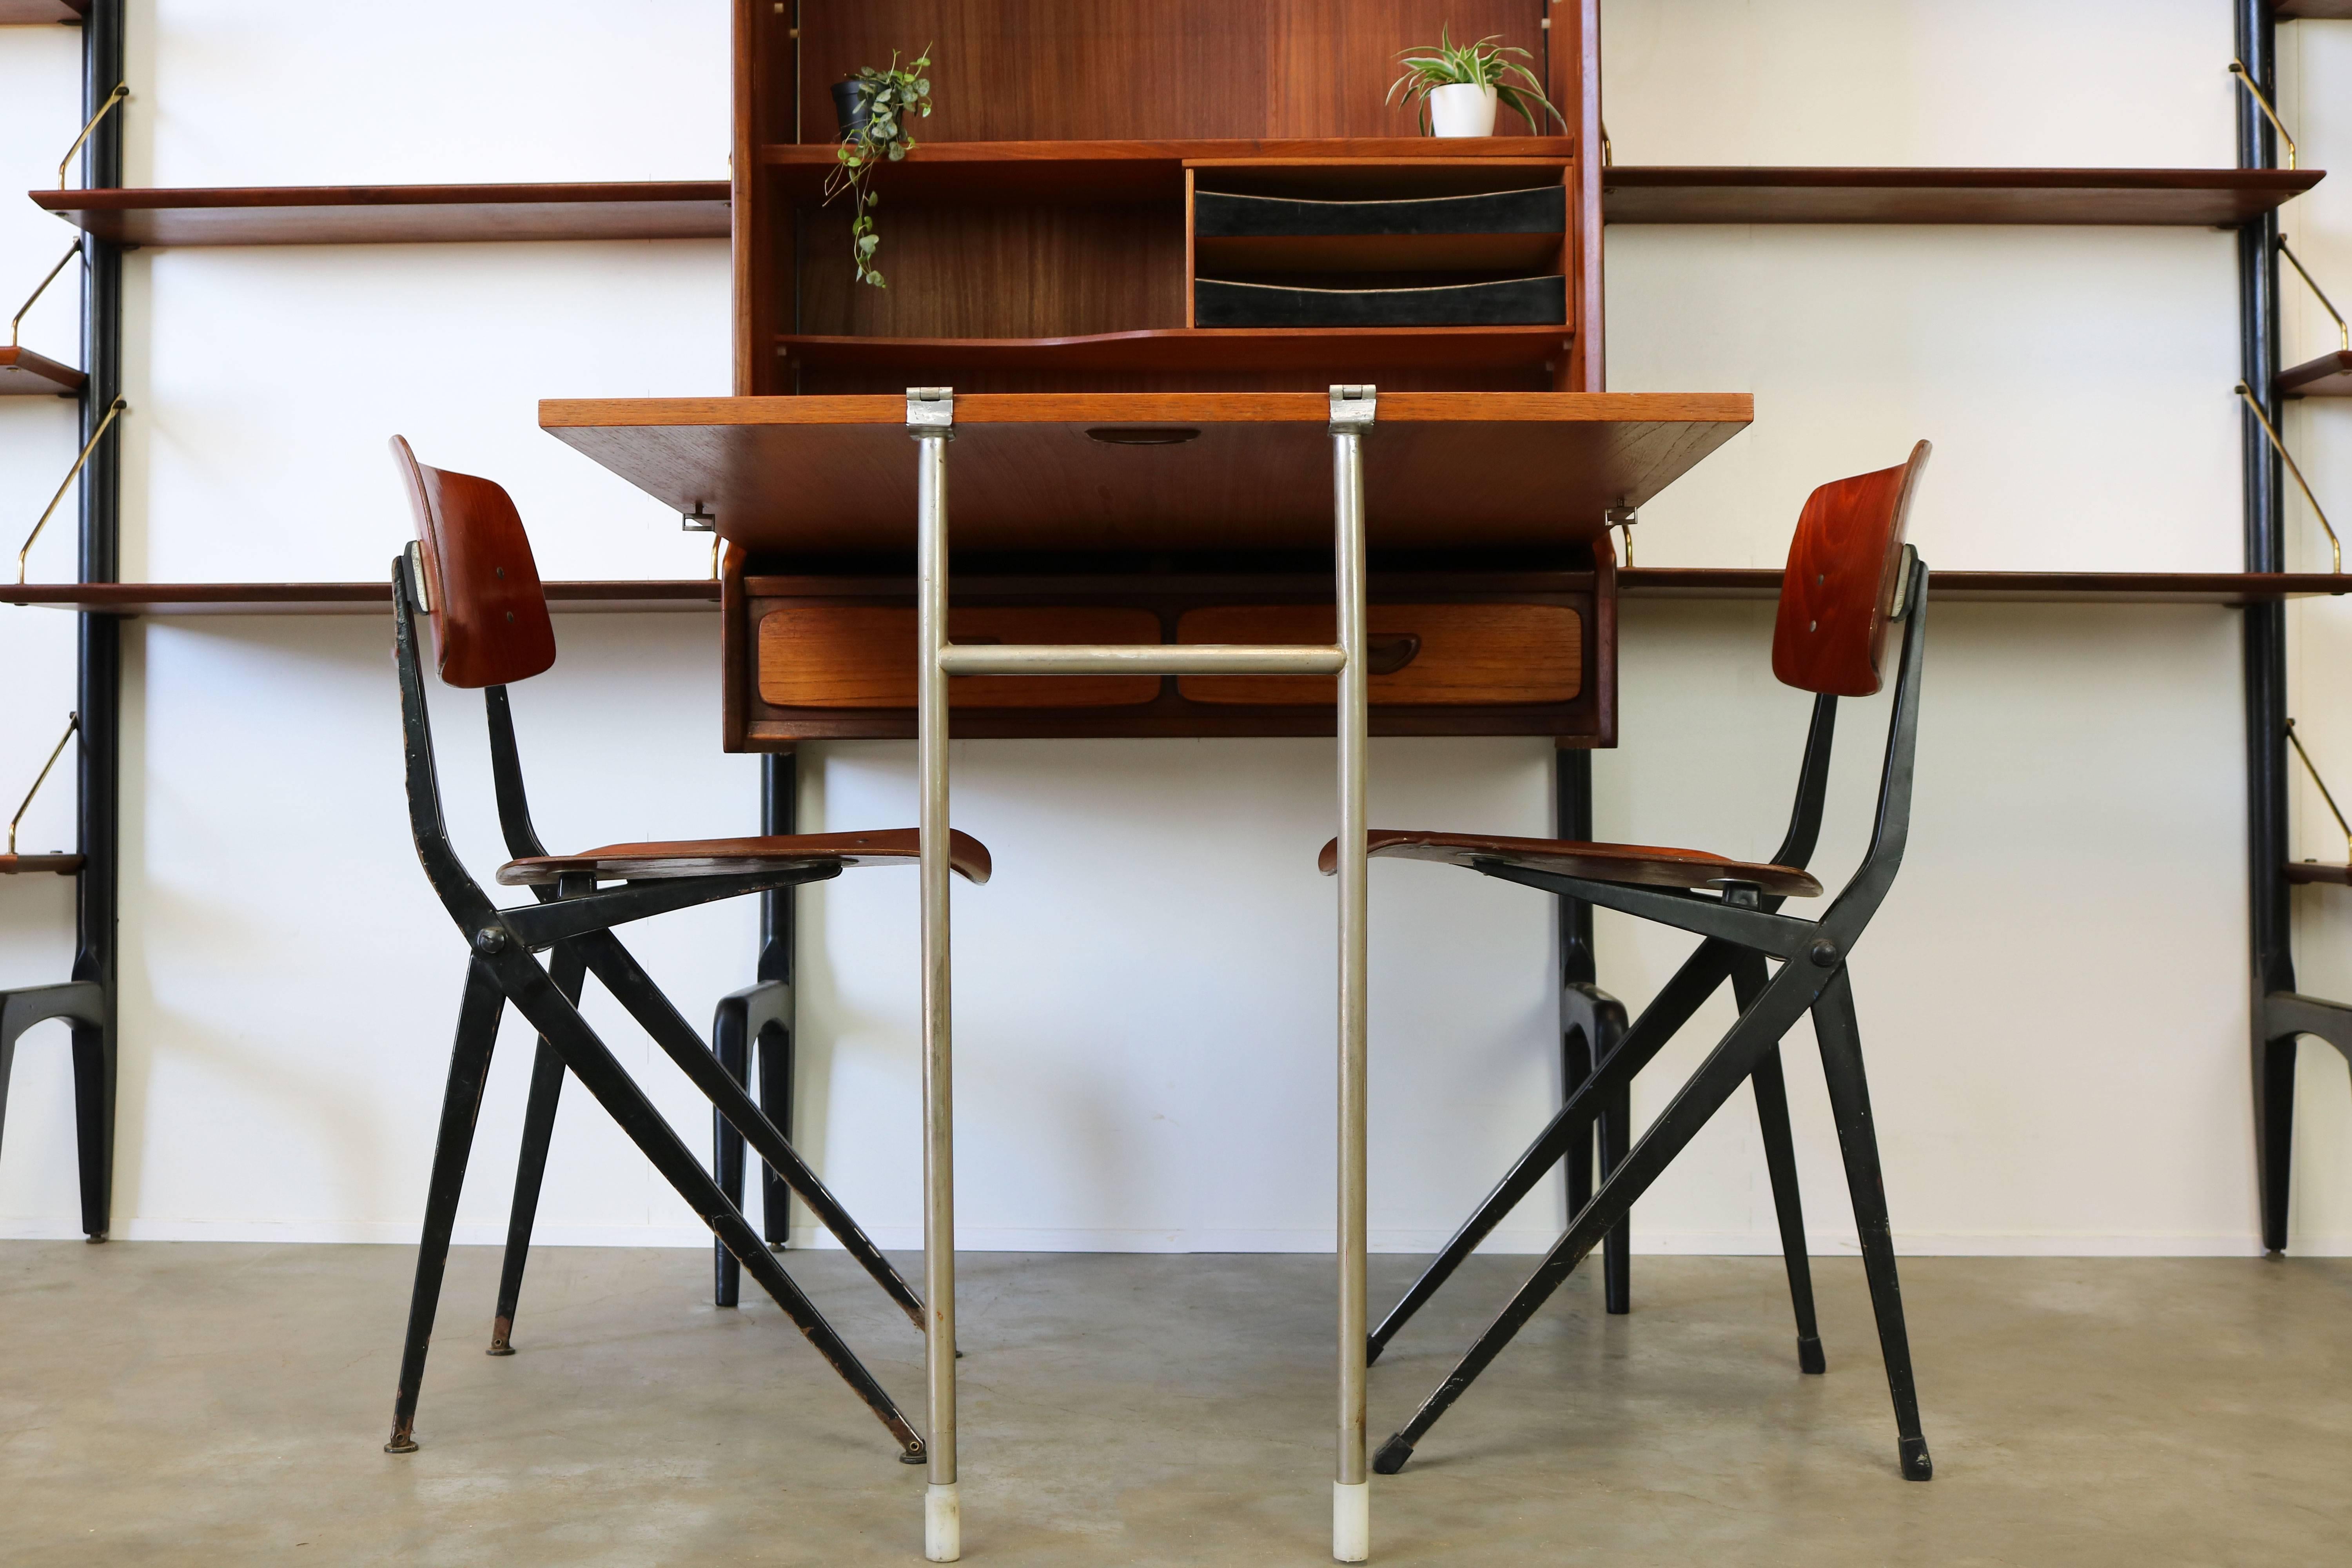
(1916, 1465)
(1392, 1455)
(1810, 1358)
(501, 1337)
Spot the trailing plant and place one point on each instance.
(1486, 63)
(887, 100)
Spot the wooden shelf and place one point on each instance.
(1126, 172)
(24, 374)
(2312, 10)
(2188, 197)
(30, 865)
(2009, 587)
(2314, 871)
(2329, 375)
(52, 12)
(1191, 349)
(386, 214)
(334, 598)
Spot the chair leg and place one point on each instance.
(2274, 1133)
(619, 973)
(1840, 1041)
(774, 1050)
(1780, 1162)
(731, 1043)
(1759, 1027)
(1680, 997)
(94, 1078)
(469, 1063)
(535, 996)
(1600, 1018)
(530, 1170)
(1575, 1065)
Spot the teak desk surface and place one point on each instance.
(1036, 471)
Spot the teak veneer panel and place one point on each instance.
(865, 656)
(1198, 349)
(364, 215)
(24, 374)
(2194, 197)
(2329, 375)
(2008, 587)
(335, 598)
(16, 11)
(2314, 871)
(801, 475)
(2312, 10)
(1469, 655)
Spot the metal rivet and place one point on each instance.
(500, 571)
(489, 938)
(1810, 625)
(1823, 952)
(510, 618)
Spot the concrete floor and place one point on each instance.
(183, 1403)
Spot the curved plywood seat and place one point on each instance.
(735, 857)
(1640, 863)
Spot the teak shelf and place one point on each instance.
(70, 11)
(2329, 375)
(382, 215)
(2188, 197)
(2312, 10)
(24, 374)
(335, 598)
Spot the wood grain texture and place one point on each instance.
(2201, 198)
(967, 856)
(1046, 69)
(611, 596)
(1840, 586)
(1641, 864)
(33, 865)
(2313, 872)
(865, 656)
(365, 215)
(24, 374)
(489, 618)
(1469, 655)
(2312, 10)
(835, 474)
(1574, 40)
(14, 13)
(2329, 375)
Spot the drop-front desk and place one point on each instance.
(1215, 563)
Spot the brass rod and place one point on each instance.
(2288, 458)
(21, 311)
(116, 96)
(2246, 79)
(73, 723)
(2308, 766)
(119, 408)
(2317, 292)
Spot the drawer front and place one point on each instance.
(863, 657)
(1460, 655)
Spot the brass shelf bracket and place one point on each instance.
(16, 321)
(2343, 330)
(113, 413)
(122, 93)
(73, 723)
(2246, 79)
(2308, 766)
(2287, 457)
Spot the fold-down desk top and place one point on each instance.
(1134, 472)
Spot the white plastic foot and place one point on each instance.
(1351, 1522)
(943, 1524)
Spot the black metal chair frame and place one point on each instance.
(574, 924)
(1742, 930)
(2284, 1016)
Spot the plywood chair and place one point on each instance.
(472, 576)
(1850, 578)
(80, 1005)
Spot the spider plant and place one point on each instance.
(887, 99)
(1488, 63)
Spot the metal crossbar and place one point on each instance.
(931, 420)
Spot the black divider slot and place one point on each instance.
(1512, 302)
(1222, 215)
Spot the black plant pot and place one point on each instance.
(851, 106)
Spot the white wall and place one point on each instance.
(1144, 1008)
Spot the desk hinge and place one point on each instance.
(701, 520)
(1352, 408)
(931, 408)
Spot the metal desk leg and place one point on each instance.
(1351, 417)
(942, 1523)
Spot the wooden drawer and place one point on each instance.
(1473, 655)
(863, 657)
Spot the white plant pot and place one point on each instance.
(1462, 110)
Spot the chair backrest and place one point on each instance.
(481, 587)
(1840, 586)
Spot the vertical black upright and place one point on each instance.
(1591, 1023)
(779, 952)
(2265, 630)
(97, 802)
